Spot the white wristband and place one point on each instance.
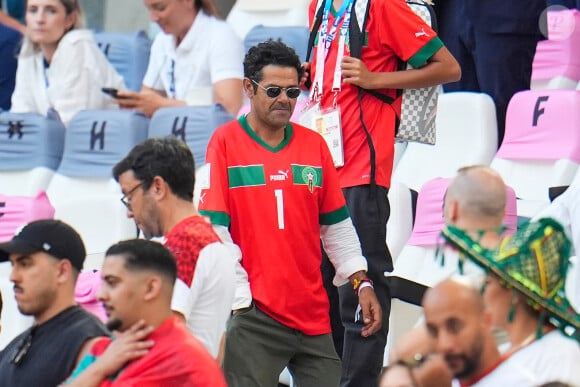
(365, 284)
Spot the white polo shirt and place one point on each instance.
(210, 52)
(207, 304)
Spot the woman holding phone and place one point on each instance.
(197, 60)
(60, 66)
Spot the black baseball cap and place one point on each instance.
(50, 236)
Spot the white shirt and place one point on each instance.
(208, 303)
(507, 374)
(71, 83)
(554, 357)
(210, 52)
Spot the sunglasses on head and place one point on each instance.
(274, 91)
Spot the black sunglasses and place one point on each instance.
(23, 348)
(274, 91)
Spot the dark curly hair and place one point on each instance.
(270, 52)
(168, 157)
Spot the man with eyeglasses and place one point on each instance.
(274, 191)
(46, 257)
(157, 178)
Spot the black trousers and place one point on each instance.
(362, 357)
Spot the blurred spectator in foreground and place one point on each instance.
(458, 321)
(525, 294)
(46, 257)
(196, 61)
(153, 348)
(60, 66)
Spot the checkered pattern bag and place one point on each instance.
(419, 106)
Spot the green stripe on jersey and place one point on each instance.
(334, 217)
(427, 51)
(307, 175)
(246, 176)
(217, 217)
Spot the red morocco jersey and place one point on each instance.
(274, 201)
(393, 31)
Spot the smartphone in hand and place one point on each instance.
(110, 91)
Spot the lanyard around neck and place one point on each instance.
(45, 66)
(325, 38)
(172, 93)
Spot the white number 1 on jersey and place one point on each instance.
(280, 207)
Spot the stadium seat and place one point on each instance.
(557, 60)
(193, 124)
(466, 135)
(31, 148)
(246, 14)
(400, 222)
(400, 147)
(86, 290)
(541, 147)
(128, 52)
(83, 191)
(16, 211)
(293, 36)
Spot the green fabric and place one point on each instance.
(289, 130)
(534, 262)
(217, 217)
(334, 217)
(307, 175)
(246, 176)
(427, 51)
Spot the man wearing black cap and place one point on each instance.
(46, 258)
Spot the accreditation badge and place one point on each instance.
(327, 123)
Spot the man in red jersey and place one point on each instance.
(392, 32)
(273, 186)
(155, 348)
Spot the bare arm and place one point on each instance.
(228, 93)
(148, 100)
(128, 346)
(440, 68)
(12, 23)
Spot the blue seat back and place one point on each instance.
(294, 36)
(193, 124)
(128, 53)
(98, 139)
(29, 140)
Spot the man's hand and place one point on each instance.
(371, 311)
(305, 81)
(127, 346)
(145, 102)
(356, 73)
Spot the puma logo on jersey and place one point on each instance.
(281, 176)
(421, 33)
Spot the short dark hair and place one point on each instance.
(270, 52)
(168, 157)
(141, 254)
